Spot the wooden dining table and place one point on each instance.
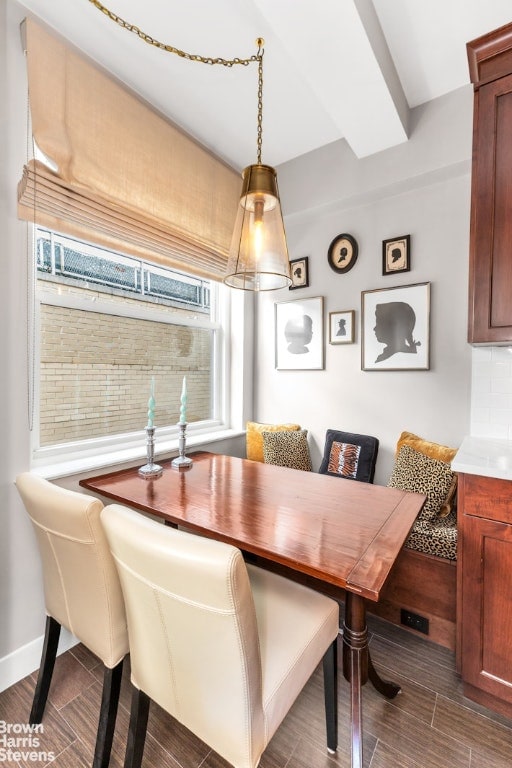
(339, 535)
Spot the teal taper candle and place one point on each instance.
(183, 408)
(151, 404)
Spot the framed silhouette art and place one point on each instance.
(299, 272)
(341, 327)
(342, 253)
(299, 329)
(396, 255)
(395, 328)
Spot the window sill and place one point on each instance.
(112, 460)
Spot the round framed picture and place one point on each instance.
(342, 254)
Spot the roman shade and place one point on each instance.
(116, 172)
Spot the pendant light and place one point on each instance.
(258, 256)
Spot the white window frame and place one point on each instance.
(70, 458)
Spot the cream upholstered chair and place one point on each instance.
(82, 593)
(222, 646)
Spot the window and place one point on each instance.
(107, 324)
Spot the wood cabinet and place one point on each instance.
(485, 590)
(490, 269)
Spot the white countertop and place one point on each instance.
(489, 457)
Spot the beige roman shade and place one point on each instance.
(119, 174)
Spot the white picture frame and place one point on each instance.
(299, 334)
(395, 328)
(341, 327)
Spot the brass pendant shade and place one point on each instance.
(258, 257)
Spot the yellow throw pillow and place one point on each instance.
(434, 450)
(254, 437)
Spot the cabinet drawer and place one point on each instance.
(486, 497)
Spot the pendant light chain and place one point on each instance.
(258, 257)
(170, 48)
(202, 59)
(260, 43)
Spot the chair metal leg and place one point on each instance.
(108, 712)
(330, 664)
(44, 677)
(137, 730)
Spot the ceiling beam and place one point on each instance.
(369, 107)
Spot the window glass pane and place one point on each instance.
(96, 362)
(71, 262)
(96, 371)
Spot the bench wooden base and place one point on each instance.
(425, 585)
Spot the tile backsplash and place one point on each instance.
(491, 392)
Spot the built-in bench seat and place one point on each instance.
(423, 580)
(425, 585)
(435, 537)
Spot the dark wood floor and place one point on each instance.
(429, 725)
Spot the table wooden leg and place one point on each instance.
(385, 687)
(358, 668)
(355, 668)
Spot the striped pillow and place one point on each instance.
(343, 459)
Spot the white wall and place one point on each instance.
(21, 606)
(421, 188)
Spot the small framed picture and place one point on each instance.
(395, 328)
(341, 327)
(300, 334)
(299, 271)
(396, 255)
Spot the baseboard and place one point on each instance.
(25, 660)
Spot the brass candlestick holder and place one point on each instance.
(181, 461)
(150, 469)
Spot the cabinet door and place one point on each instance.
(490, 274)
(487, 606)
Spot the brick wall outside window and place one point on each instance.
(96, 369)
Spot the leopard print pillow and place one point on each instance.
(437, 537)
(416, 472)
(287, 449)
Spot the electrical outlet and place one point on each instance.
(414, 621)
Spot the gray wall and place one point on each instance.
(421, 188)
(21, 608)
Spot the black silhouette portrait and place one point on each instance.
(394, 326)
(298, 332)
(342, 331)
(297, 273)
(343, 256)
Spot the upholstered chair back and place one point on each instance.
(193, 632)
(81, 585)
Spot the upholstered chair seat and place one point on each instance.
(222, 646)
(82, 593)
